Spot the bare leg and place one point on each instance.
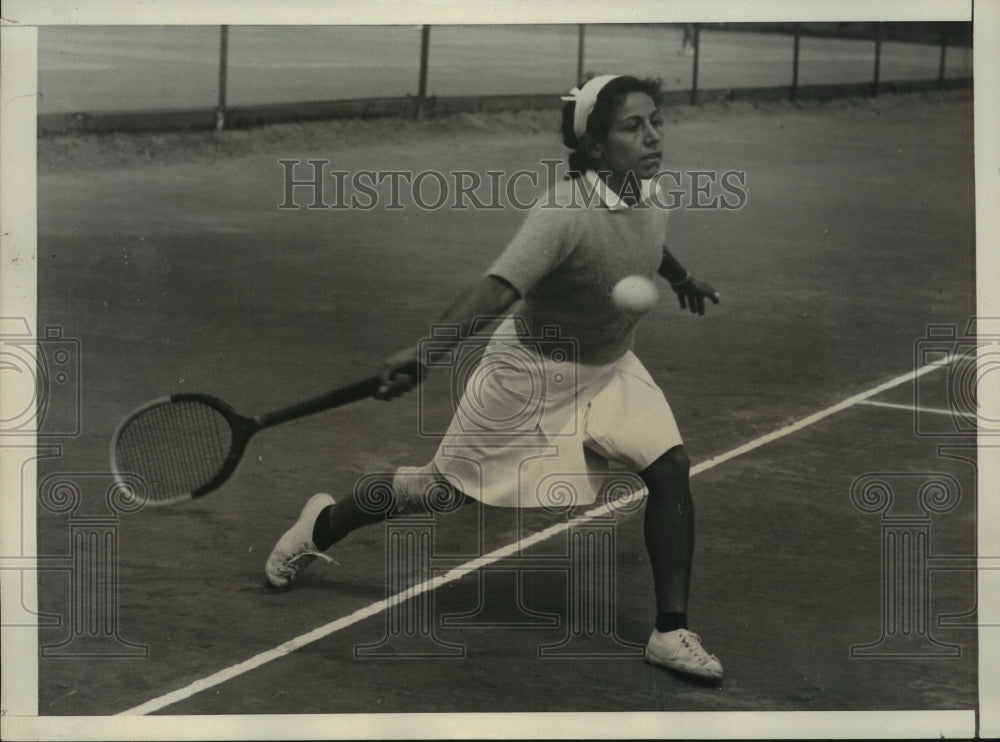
(324, 520)
(378, 497)
(669, 532)
(339, 519)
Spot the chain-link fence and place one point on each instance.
(201, 76)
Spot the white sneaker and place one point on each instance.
(681, 651)
(295, 550)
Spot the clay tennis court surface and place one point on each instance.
(167, 257)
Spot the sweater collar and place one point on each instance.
(609, 198)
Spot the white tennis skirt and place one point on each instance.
(536, 429)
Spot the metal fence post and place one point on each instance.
(878, 56)
(944, 51)
(694, 64)
(795, 62)
(425, 47)
(220, 111)
(579, 54)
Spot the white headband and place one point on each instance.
(585, 98)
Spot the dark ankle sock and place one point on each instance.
(322, 535)
(671, 621)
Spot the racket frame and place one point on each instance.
(243, 429)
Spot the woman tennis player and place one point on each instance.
(559, 272)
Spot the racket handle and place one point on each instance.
(344, 395)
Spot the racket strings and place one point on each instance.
(175, 447)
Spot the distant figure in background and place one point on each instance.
(688, 43)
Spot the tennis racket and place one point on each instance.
(185, 446)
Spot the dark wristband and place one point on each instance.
(672, 270)
(687, 279)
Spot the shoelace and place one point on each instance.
(696, 648)
(292, 567)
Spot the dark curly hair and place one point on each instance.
(608, 101)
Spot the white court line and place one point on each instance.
(822, 414)
(911, 408)
(512, 549)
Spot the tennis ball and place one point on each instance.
(634, 294)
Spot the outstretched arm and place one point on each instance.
(690, 291)
(490, 297)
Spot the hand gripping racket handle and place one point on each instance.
(187, 445)
(336, 398)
